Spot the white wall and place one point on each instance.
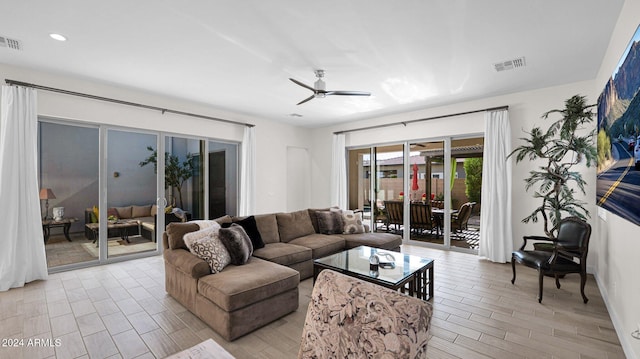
(272, 139)
(618, 246)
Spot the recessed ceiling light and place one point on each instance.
(58, 37)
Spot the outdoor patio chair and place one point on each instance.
(394, 213)
(460, 220)
(422, 219)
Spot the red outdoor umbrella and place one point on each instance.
(414, 184)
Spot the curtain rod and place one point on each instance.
(121, 102)
(404, 123)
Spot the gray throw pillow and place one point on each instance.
(237, 242)
(330, 222)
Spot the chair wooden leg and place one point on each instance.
(557, 281)
(513, 267)
(583, 281)
(541, 277)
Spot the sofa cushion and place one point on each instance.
(145, 220)
(154, 210)
(293, 225)
(268, 227)
(352, 222)
(283, 253)
(239, 286)
(250, 226)
(387, 241)
(140, 211)
(237, 242)
(321, 245)
(211, 250)
(176, 231)
(329, 222)
(124, 212)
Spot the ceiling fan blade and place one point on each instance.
(306, 99)
(301, 84)
(348, 93)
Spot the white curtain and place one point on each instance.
(339, 172)
(248, 173)
(22, 258)
(496, 237)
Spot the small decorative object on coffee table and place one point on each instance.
(397, 271)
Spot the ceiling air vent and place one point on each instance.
(509, 64)
(10, 43)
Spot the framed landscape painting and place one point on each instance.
(618, 173)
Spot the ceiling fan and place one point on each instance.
(320, 89)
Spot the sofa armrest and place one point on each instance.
(187, 263)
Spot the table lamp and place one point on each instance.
(46, 194)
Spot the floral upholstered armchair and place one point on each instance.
(351, 318)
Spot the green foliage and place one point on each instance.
(604, 147)
(473, 178)
(560, 147)
(175, 172)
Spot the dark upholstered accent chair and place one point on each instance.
(572, 243)
(421, 218)
(350, 318)
(394, 213)
(460, 220)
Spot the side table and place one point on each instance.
(65, 223)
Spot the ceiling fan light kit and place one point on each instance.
(319, 89)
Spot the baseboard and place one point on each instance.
(617, 324)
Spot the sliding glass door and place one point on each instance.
(388, 186)
(147, 179)
(466, 156)
(428, 171)
(68, 169)
(128, 225)
(223, 176)
(427, 191)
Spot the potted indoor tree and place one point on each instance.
(176, 173)
(567, 142)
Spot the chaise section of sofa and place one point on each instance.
(235, 301)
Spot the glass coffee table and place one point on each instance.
(408, 273)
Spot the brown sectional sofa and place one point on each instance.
(243, 298)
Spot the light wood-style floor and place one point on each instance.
(122, 311)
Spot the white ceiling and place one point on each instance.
(238, 55)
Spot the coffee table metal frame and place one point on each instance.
(417, 278)
(123, 226)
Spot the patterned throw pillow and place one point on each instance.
(352, 222)
(203, 233)
(237, 242)
(211, 250)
